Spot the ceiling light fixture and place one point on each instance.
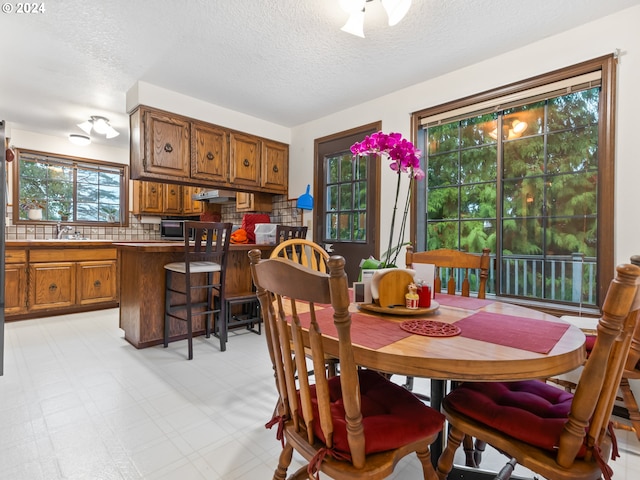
(81, 140)
(396, 11)
(99, 125)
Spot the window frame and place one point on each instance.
(123, 221)
(606, 159)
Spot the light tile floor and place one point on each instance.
(78, 402)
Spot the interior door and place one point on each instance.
(347, 198)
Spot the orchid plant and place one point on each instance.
(404, 157)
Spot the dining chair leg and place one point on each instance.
(445, 461)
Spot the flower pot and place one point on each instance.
(34, 214)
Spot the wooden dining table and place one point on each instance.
(497, 341)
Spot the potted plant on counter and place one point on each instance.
(33, 208)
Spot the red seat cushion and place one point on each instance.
(531, 411)
(590, 341)
(392, 416)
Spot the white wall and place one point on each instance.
(602, 37)
(143, 93)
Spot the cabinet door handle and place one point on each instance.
(168, 148)
(153, 189)
(209, 156)
(97, 284)
(53, 287)
(246, 163)
(172, 191)
(275, 169)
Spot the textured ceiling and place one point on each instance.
(284, 61)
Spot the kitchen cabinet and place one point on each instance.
(96, 281)
(153, 198)
(53, 285)
(166, 140)
(15, 282)
(253, 202)
(69, 277)
(244, 160)
(189, 205)
(171, 199)
(275, 166)
(170, 148)
(210, 160)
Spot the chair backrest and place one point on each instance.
(304, 252)
(210, 243)
(598, 385)
(296, 289)
(287, 232)
(454, 261)
(633, 359)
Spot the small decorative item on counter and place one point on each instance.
(412, 298)
(424, 293)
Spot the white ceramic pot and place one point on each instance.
(35, 214)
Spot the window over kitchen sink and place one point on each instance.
(56, 188)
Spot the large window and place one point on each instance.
(50, 188)
(527, 174)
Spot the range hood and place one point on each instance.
(215, 196)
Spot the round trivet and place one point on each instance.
(430, 328)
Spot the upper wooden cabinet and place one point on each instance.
(244, 160)
(275, 166)
(153, 198)
(166, 141)
(210, 160)
(170, 148)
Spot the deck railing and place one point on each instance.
(562, 278)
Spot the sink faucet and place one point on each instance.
(62, 229)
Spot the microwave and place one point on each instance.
(173, 229)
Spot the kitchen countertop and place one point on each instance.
(143, 245)
(55, 243)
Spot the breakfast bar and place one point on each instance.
(142, 287)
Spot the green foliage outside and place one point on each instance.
(548, 178)
(68, 190)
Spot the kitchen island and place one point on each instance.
(142, 287)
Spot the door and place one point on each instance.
(347, 198)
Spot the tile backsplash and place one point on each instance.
(284, 212)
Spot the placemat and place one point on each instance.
(430, 328)
(538, 336)
(368, 331)
(458, 301)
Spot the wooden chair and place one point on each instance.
(203, 269)
(287, 232)
(313, 256)
(304, 252)
(355, 425)
(456, 262)
(528, 420)
(631, 370)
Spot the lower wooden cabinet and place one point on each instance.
(96, 282)
(50, 281)
(53, 285)
(15, 282)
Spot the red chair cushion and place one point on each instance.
(590, 341)
(531, 411)
(392, 416)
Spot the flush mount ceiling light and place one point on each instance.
(79, 139)
(99, 125)
(396, 10)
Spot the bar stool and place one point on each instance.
(203, 270)
(287, 232)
